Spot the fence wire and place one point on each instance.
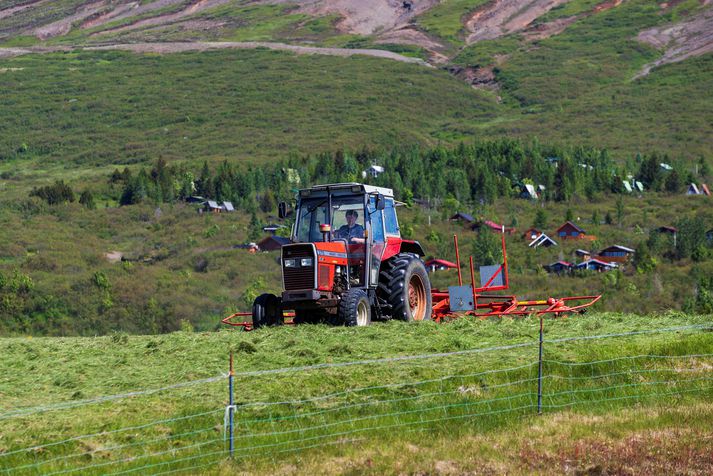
(464, 401)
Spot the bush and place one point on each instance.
(54, 194)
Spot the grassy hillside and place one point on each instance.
(83, 110)
(35, 376)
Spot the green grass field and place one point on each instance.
(437, 408)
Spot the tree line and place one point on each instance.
(478, 173)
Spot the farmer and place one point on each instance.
(352, 231)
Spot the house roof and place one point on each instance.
(377, 168)
(212, 204)
(441, 262)
(497, 226)
(584, 264)
(627, 186)
(572, 225)
(462, 216)
(531, 190)
(693, 188)
(639, 186)
(280, 240)
(228, 206)
(705, 190)
(665, 166)
(618, 247)
(540, 240)
(563, 263)
(581, 252)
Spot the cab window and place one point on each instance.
(392, 224)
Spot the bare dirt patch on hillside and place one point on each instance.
(682, 40)
(410, 35)
(8, 12)
(127, 10)
(368, 17)
(63, 26)
(503, 17)
(192, 8)
(542, 31)
(178, 47)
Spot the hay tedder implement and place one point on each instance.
(347, 264)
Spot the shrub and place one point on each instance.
(54, 194)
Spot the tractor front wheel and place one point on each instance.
(404, 285)
(354, 308)
(267, 311)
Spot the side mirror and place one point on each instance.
(282, 209)
(380, 202)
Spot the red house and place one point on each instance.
(491, 225)
(439, 265)
(615, 254)
(570, 231)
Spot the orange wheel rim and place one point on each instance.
(417, 298)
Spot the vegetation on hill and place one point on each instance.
(89, 109)
(75, 268)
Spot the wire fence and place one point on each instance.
(452, 392)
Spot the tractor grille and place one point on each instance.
(301, 277)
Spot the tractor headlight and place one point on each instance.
(290, 263)
(306, 262)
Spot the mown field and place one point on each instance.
(641, 401)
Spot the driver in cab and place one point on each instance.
(352, 231)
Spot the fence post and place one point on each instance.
(539, 368)
(231, 408)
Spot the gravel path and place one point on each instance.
(177, 47)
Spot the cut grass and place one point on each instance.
(78, 371)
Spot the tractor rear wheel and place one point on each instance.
(404, 285)
(267, 311)
(354, 308)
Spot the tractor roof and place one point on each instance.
(355, 187)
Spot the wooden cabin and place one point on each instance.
(615, 254)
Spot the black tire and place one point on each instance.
(404, 285)
(354, 309)
(267, 311)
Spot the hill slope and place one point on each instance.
(563, 70)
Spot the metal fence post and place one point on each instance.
(539, 368)
(231, 408)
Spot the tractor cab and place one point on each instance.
(341, 264)
(348, 219)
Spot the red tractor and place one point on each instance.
(347, 263)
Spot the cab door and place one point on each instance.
(376, 241)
